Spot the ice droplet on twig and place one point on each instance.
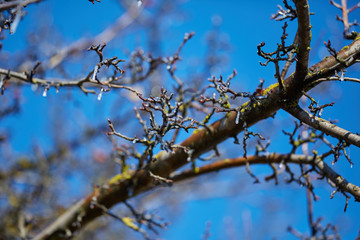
(342, 76)
(100, 94)
(45, 92)
(281, 165)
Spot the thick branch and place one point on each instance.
(324, 126)
(303, 47)
(80, 208)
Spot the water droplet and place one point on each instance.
(100, 94)
(139, 3)
(281, 165)
(342, 76)
(45, 92)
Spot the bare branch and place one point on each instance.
(290, 59)
(81, 83)
(105, 36)
(324, 126)
(205, 139)
(13, 4)
(199, 142)
(345, 79)
(303, 49)
(331, 65)
(345, 18)
(340, 182)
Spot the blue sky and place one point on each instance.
(244, 25)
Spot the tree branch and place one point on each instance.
(345, 17)
(324, 126)
(105, 36)
(303, 47)
(80, 209)
(290, 58)
(13, 4)
(345, 79)
(346, 57)
(202, 140)
(339, 181)
(81, 83)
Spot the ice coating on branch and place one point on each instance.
(95, 72)
(15, 24)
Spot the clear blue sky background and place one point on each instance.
(264, 209)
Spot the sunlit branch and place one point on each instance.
(324, 126)
(340, 79)
(13, 4)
